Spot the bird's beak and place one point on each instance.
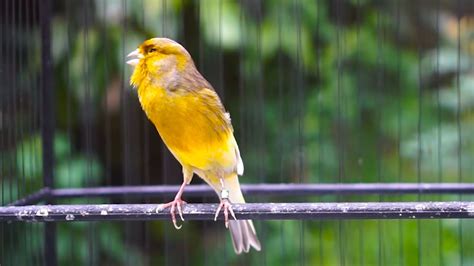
(136, 56)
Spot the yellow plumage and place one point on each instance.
(192, 122)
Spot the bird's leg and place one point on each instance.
(225, 205)
(175, 204)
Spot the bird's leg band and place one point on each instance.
(225, 194)
(224, 191)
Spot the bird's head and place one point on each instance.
(156, 57)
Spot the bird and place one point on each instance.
(194, 125)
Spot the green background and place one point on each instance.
(319, 92)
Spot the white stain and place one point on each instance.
(470, 209)
(70, 217)
(343, 207)
(420, 207)
(42, 212)
(22, 214)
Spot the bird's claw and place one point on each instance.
(175, 204)
(226, 206)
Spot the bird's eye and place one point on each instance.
(151, 50)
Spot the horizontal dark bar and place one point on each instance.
(272, 189)
(256, 211)
(33, 198)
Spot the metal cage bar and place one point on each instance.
(256, 211)
(253, 189)
(273, 189)
(47, 123)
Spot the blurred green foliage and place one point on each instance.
(319, 91)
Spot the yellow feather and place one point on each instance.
(191, 128)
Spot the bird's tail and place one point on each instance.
(242, 231)
(243, 236)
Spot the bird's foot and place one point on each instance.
(226, 206)
(175, 205)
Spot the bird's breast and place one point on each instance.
(191, 126)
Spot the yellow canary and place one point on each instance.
(195, 127)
